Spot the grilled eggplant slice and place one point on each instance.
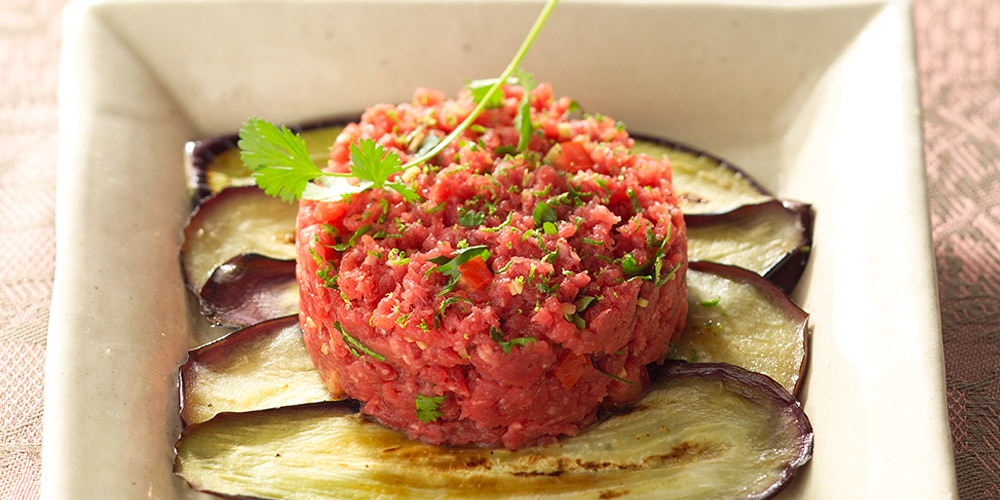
(772, 239)
(263, 366)
(737, 317)
(706, 184)
(702, 431)
(248, 289)
(235, 221)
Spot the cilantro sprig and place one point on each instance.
(282, 167)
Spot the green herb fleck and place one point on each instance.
(354, 345)
(710, 303)
(507, 345)
(471, 218)
(427, 408)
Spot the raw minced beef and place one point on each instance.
(521, 293)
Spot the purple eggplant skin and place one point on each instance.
(786, 275)
(246, 290)
(239, 346)
(754, 385)
(203, 151)
(786, 272)
(215, 231)
(775, 295)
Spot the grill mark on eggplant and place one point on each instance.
(612, 494)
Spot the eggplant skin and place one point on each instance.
(248, 289)
(780, 225)
(702, 431)
(747, 321)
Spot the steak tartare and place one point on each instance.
(526, 287)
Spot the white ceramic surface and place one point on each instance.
(816, 98)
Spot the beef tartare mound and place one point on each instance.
(518, 294)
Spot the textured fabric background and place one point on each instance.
(958, 53)
(958, 45)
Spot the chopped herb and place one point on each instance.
(505, 266)
(549, 228)
(403, 320)
(710, 303)
(427, 408)
(437, 208)
(584, 302)
(385, 210)
(448, 266)
(354, 345)
(377, 255)
(397, 257)
(635, 200)
(593, 242)
(507, 345)
(340, 247)
(577, 320)
(471, 218)
(423, 325)
(324, 269)
(506, 223)
(606, 374)
(451, 300)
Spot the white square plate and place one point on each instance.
(817, 99)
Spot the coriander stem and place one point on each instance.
(525, 45)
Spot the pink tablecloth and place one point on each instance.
(958, 44)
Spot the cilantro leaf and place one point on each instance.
(370, 162)
(283, 168)
(427, 408)
(278, 158)
(408, 193)
(481, 88)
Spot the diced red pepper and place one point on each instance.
(571, 368)
(574, 157)
(475, 274)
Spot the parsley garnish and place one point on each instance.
(507, 345)
(354, 345)
(427, 408)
